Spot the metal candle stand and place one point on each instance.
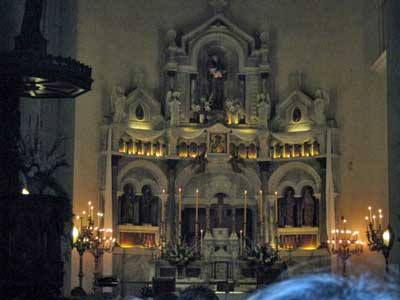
(379, 239)
(345, 243)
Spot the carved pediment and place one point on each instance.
(143, 108)
(217, 24)
(295, 113)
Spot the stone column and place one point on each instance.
(393, 122)
(264, 168)
(208, 218)
(322, 203)
(171, 207)
(233, 210)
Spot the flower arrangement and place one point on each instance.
(180, 254)
(261, 256)
(38, 164)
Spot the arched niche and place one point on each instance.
(222, 41)
(151, 168)
(284, 172)
(218, 65)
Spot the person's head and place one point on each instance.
(198, 293)
(167, 296)
(328, 287)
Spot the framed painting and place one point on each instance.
(218, 143)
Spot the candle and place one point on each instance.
(98, 219)
(180, 206)
(201, 241)
(374, 218)
(163, 206)
(366, 221)
(276, 207)
(370, 212)
(90, 204)
(245, 210)
(197, 206)
(77, 217)
(261, 207)
(241, 242)
(84, 214)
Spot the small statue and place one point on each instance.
(129, 206)
(320, 106)
(149, 209)
(264, 109)
(289, 209)
(216, 75)
(118, 104)
(174, 107)
(308, 209)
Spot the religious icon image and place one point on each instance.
(218, 143)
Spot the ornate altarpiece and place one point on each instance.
(221, 132)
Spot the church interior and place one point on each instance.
(152, 147)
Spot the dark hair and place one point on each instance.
(328, 287)
(166, 296)
(198, 293)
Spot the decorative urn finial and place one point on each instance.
(218, 6)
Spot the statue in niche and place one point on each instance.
(264, 109)
(118, 104)
(149, 211)
(129, 206)
(174, 106)
(216, 75)
(287, 208)
(308, 208)
(321, 103)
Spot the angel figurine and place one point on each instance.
(174, 106)
(320, 106)
(118, 104)
(264, 109)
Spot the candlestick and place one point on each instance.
(197, 206)
(201, 241)
(163, 207)
(241, 242)
(245, 208)
(261, 206)
(197, 219)
(180, 206)
(83, 216)
(276, 207)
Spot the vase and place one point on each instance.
(201, 118)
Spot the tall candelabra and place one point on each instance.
(97, 240)
(344, 243)
(379, 238)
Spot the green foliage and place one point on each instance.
(261, 256)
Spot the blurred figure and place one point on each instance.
(198, 293)
(328, 287)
